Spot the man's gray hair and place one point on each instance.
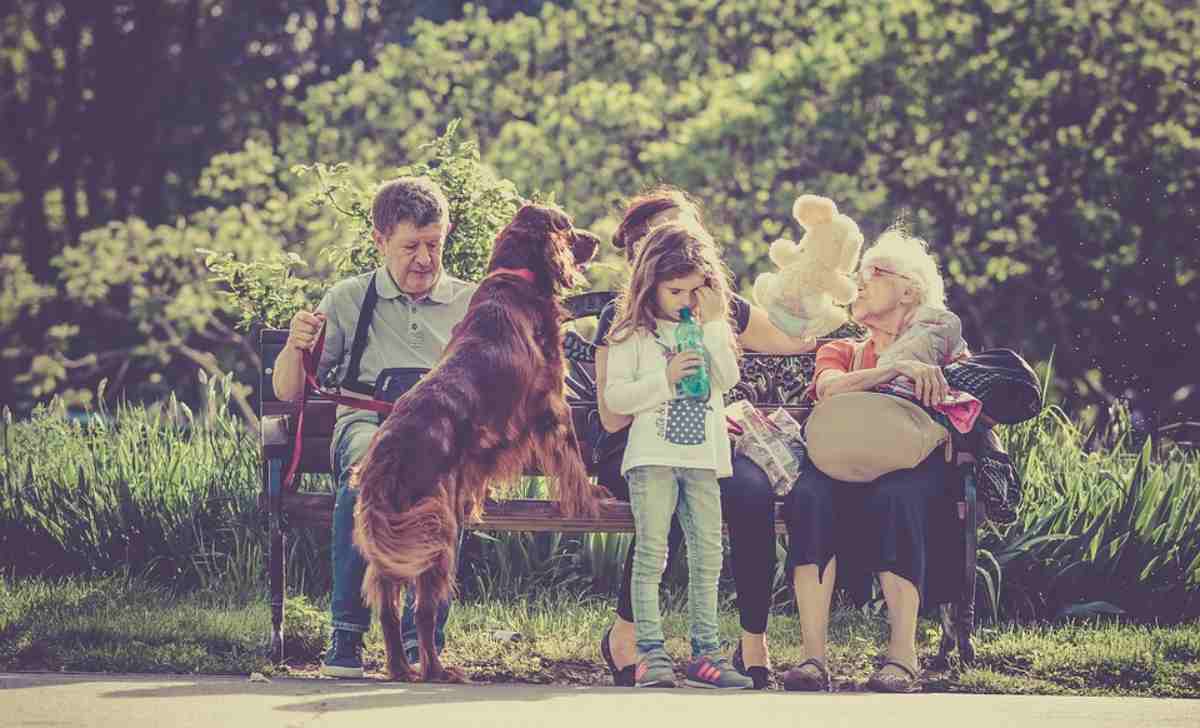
(416, 200)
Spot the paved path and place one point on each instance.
(141, 701)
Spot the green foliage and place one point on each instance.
(266, 290)
(480, 205)
(1048, 152)
(172, 495)
(167, 493)
(306, 629)
(1114, 527)
(512, 564)
(263, 292)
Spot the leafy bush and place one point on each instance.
(306, 628)
(163, 491)
(269, 291)
(1111, 531)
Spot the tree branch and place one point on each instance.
(208, 362)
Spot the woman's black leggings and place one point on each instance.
(748, 508)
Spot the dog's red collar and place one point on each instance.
(519, 272)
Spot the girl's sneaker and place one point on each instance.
(655, 669)
(716, 673)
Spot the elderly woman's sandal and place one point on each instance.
(809, 676)
(623, 677)
(905, 682)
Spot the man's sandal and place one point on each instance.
(623, 677)
(809, 676)
(883, 682)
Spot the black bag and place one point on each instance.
(998, 482)
(610, 445)
(394, 382)
(1003, 381)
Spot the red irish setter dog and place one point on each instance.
(493, 404)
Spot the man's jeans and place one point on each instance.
(351, 437)
(656, 493)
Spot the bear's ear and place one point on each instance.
(851, 245)
(810, 210)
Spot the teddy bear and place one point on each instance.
(807, 295)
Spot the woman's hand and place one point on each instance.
(802, 345)
(683, 364)
(708, 304)
(928, 381)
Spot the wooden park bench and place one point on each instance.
(768, 381)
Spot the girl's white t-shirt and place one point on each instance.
(667, 430)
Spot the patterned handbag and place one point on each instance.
(773, 442)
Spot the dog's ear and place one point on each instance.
(540, 238)
(519, 243)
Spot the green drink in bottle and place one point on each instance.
(690, 337)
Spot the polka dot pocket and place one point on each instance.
(685, 422)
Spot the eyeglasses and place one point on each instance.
(867, 272)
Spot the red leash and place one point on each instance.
(313, 388)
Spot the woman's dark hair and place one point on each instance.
(642, 208)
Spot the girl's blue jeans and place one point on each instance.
(656, 493)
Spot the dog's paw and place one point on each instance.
(600, 494)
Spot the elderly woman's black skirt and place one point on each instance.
(904, 522)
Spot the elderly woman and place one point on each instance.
(843, 532)
(747, 499)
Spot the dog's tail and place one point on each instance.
(399, 546)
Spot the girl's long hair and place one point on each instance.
(671, 251)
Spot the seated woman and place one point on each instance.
(747, 499)
(843, 532)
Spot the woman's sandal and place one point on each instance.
(882, 682)
(759, 674)
(622, 677)
(809, 676)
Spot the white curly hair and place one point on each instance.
(897, 251)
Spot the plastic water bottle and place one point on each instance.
(690, 337)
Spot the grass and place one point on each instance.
(117, 624)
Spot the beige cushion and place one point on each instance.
(859, 436)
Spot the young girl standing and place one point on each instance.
(677, 446)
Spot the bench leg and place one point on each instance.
(275, 556)
(949, 640)
(958, 619)
(965, 622)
